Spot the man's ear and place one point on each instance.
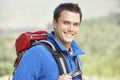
(54, 23)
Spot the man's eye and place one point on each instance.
(76, 24)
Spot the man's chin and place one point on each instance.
(69, 41)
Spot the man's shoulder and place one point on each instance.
(37, 51)
(34, 51)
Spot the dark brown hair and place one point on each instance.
(67, 6)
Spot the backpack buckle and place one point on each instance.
(75, 73)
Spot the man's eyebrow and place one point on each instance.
(66, 21)
(77, 23)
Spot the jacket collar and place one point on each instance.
(76, 49)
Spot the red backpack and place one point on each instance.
(25, 41)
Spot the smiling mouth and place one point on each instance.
(69, 34)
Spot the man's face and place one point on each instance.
(66, 28)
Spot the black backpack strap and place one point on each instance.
(78, 68)
(58, 56)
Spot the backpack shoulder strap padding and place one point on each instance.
(49, 44)
(78, 68)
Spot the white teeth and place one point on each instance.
(69, 35)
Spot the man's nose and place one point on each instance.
(71, 27)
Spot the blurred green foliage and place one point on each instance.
(7, 54)
(99, 38)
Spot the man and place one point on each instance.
(38, 63)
